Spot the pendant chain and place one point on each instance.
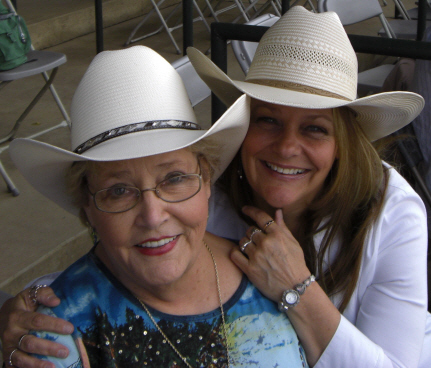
(184, 359)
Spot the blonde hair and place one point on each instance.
(207, 151)
(349, 202)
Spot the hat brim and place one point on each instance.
(44, 166)
(379, 114)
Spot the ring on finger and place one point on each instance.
(242, 248)
(255, 231)
(10, 357)
(269, 223)
(20, 340)
(33, 292)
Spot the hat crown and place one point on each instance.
(118, 90)
(307, 51)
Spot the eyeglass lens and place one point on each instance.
(122, 198)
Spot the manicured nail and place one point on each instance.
(62, 353)
(67, 330)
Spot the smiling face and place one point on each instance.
(287, 154)
(155, 243)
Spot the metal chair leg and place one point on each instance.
(9, 183)
(39, 95)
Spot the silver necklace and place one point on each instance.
(184, 359)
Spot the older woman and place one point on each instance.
(156, 289)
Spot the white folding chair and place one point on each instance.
(39, 62)
(215, 8)
(414, 13)
(164, 21)
(405, 28)
(353, 11)
(195, 86)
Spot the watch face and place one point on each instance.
(291, 297)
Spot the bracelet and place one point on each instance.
(300, 288)
(291, 297)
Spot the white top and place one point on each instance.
(384, 322)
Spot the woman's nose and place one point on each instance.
(288, 143)
(152, 210)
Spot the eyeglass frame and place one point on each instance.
(199, 175)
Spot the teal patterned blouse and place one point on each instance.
(113, 330)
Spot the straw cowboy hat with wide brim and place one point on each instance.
(306, 60)
(130, 103)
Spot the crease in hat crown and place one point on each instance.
(110, 105)
(307, 51)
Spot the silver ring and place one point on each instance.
(10, 357)
(242, 248)
(255, 231)
(20, 340)
(269, 223)
(33, 292)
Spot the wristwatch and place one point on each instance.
(291, 297)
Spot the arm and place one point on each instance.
(385, 320)
(18, 316)
(275, 263)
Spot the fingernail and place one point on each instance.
(62, 353)
(67, 330)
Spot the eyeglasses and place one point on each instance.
(120, 198)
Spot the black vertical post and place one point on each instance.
(422, 18)
(99, 25)
(187, 25)
(219, 57)
(285, 6)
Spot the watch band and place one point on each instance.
(300, 288)
(296, 292)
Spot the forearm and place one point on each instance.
(315, 320)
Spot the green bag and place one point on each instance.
(15, 40)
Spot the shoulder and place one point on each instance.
(401, 227)
(402, 207)
(398, 186)
(85, 288)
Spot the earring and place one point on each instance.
(240, 171)
(94, 236)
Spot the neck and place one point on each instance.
(194, 293)
(197, 292)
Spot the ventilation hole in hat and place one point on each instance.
(303, 54)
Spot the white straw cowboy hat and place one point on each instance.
(306, 60)
(130, 103)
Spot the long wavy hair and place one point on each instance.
(346, 208)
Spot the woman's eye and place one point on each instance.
(266, 122)
(316, 129)
(266, 119)
(117, 191)
(174, 180)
